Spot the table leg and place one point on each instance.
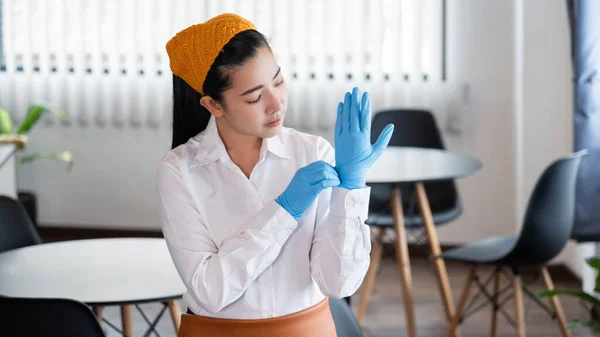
(98, 311)
(519, 307)
(403, 261)
(175, 310)
(127, 320)
(434, 244)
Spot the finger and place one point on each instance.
(329, 171)
(319, 170)
(365, 113)
(317, 166)
(338, 121)
(382, 142)
(346, 112)
(355, 110)
(324, 184)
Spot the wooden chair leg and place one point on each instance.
(519, 308)
(555, 301)
(98, 312)
(371, 274)
(495, 308)
(127, 320)
(462, 302)
(403, 261)
(434, 245)
(175, 310)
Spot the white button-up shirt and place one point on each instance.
(238, 252)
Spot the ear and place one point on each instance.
(214, 107)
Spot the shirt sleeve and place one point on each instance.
(216, 276)
(339, 257)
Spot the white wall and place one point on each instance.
(547, 116)
(480, 41)
(112, 182)
(514, 57)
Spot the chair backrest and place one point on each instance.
(16, 228)
(345, 322)
(47, 317)
(549, 215)
(414, 128)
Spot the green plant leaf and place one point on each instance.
(33, 115)
(594, 262)
(35, 112)
(5, 122)
(581, 324)
(575, 293)
(65, 156)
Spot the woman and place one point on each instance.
(261, 226)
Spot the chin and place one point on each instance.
(271, 132)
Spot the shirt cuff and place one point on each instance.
(280, 224)
(350, 203)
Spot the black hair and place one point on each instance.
(189, 116)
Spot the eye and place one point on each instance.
(279, 83)
(256, 101)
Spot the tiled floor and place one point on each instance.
(385, 313)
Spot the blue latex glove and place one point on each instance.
(306, 185)
(354, 153)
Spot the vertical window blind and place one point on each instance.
(104, 61)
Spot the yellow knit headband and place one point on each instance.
(193, 50)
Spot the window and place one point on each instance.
(104, 61)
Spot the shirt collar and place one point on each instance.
(275, 146)
(211, 147)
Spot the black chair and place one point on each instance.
(47, 318)
(346, 324)
(16, 228)
(412, 128)
(546, 229)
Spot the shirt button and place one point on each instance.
(349, 203)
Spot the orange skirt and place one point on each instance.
(315, 321)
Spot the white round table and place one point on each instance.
(411, 165)
(98, 272)
(419, 165)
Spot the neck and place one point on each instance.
(236, 142)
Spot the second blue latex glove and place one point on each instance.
(306, 185)
(354, 153)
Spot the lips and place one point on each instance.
(274, 122)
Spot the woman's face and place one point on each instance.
(256, 103)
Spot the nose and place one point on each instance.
(274, 103)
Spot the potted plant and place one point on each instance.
(18, 136)
(594, 322)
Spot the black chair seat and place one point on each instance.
(491, 250)
(16, 228)
(47, 317)
(346, 324)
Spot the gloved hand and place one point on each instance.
(354, 153)
(306, 185)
